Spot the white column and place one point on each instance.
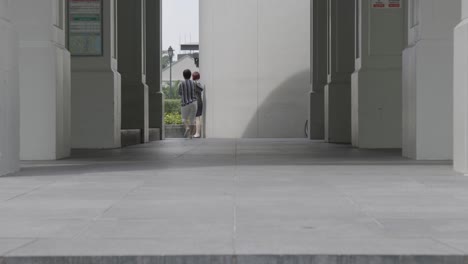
(340, 68)
(377, 81)
(153, 64)
(132, 66)
(44, 65)
(461, 93)
(207, 53)
(9, 92)
(319, 31)
(428, 80)
(96, 91)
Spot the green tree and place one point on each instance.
(165, 61)
(171, 93)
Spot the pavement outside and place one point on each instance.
(228, 199)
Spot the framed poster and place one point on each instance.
(85, 27)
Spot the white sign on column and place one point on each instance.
(386, 4)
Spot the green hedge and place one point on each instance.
(172, 110)
(172, 106)
(173, 119)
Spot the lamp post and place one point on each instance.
(170, 52)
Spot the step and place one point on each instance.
(154, 134)
(131, 137)
(240, 259)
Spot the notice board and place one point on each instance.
(85, 27)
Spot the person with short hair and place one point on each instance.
(199, 88)
(188, 103)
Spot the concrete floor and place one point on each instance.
(234, 197)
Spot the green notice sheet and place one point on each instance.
(85, 27)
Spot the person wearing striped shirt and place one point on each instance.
(188, 103)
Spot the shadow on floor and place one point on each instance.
(200, 154)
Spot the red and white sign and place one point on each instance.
(394, 3)
(386, 4)
(378, 4)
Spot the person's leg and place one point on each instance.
(193, 113)
(198, 126)
(199, 119)
(186, 120)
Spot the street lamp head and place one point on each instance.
(170, 52)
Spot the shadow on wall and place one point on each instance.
(284, 112)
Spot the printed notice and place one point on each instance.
(386, 4)
(394, 3)
(378, 3)
(85, 27)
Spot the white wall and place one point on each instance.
(255, 61)
(428, 80)
(9, 93)
(44, 81)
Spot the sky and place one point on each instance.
(180, 23)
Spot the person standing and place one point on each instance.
(199, 88)
(188, 104)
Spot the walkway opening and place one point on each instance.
(180, 51)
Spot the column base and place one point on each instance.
(156, 113)
(131, 137)
(338, 113)
(45, 96)
(428, 100)
(135, 113)
(317, 116)
(9, 100)
(377, 109)
(146, 126)
(96, 110)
